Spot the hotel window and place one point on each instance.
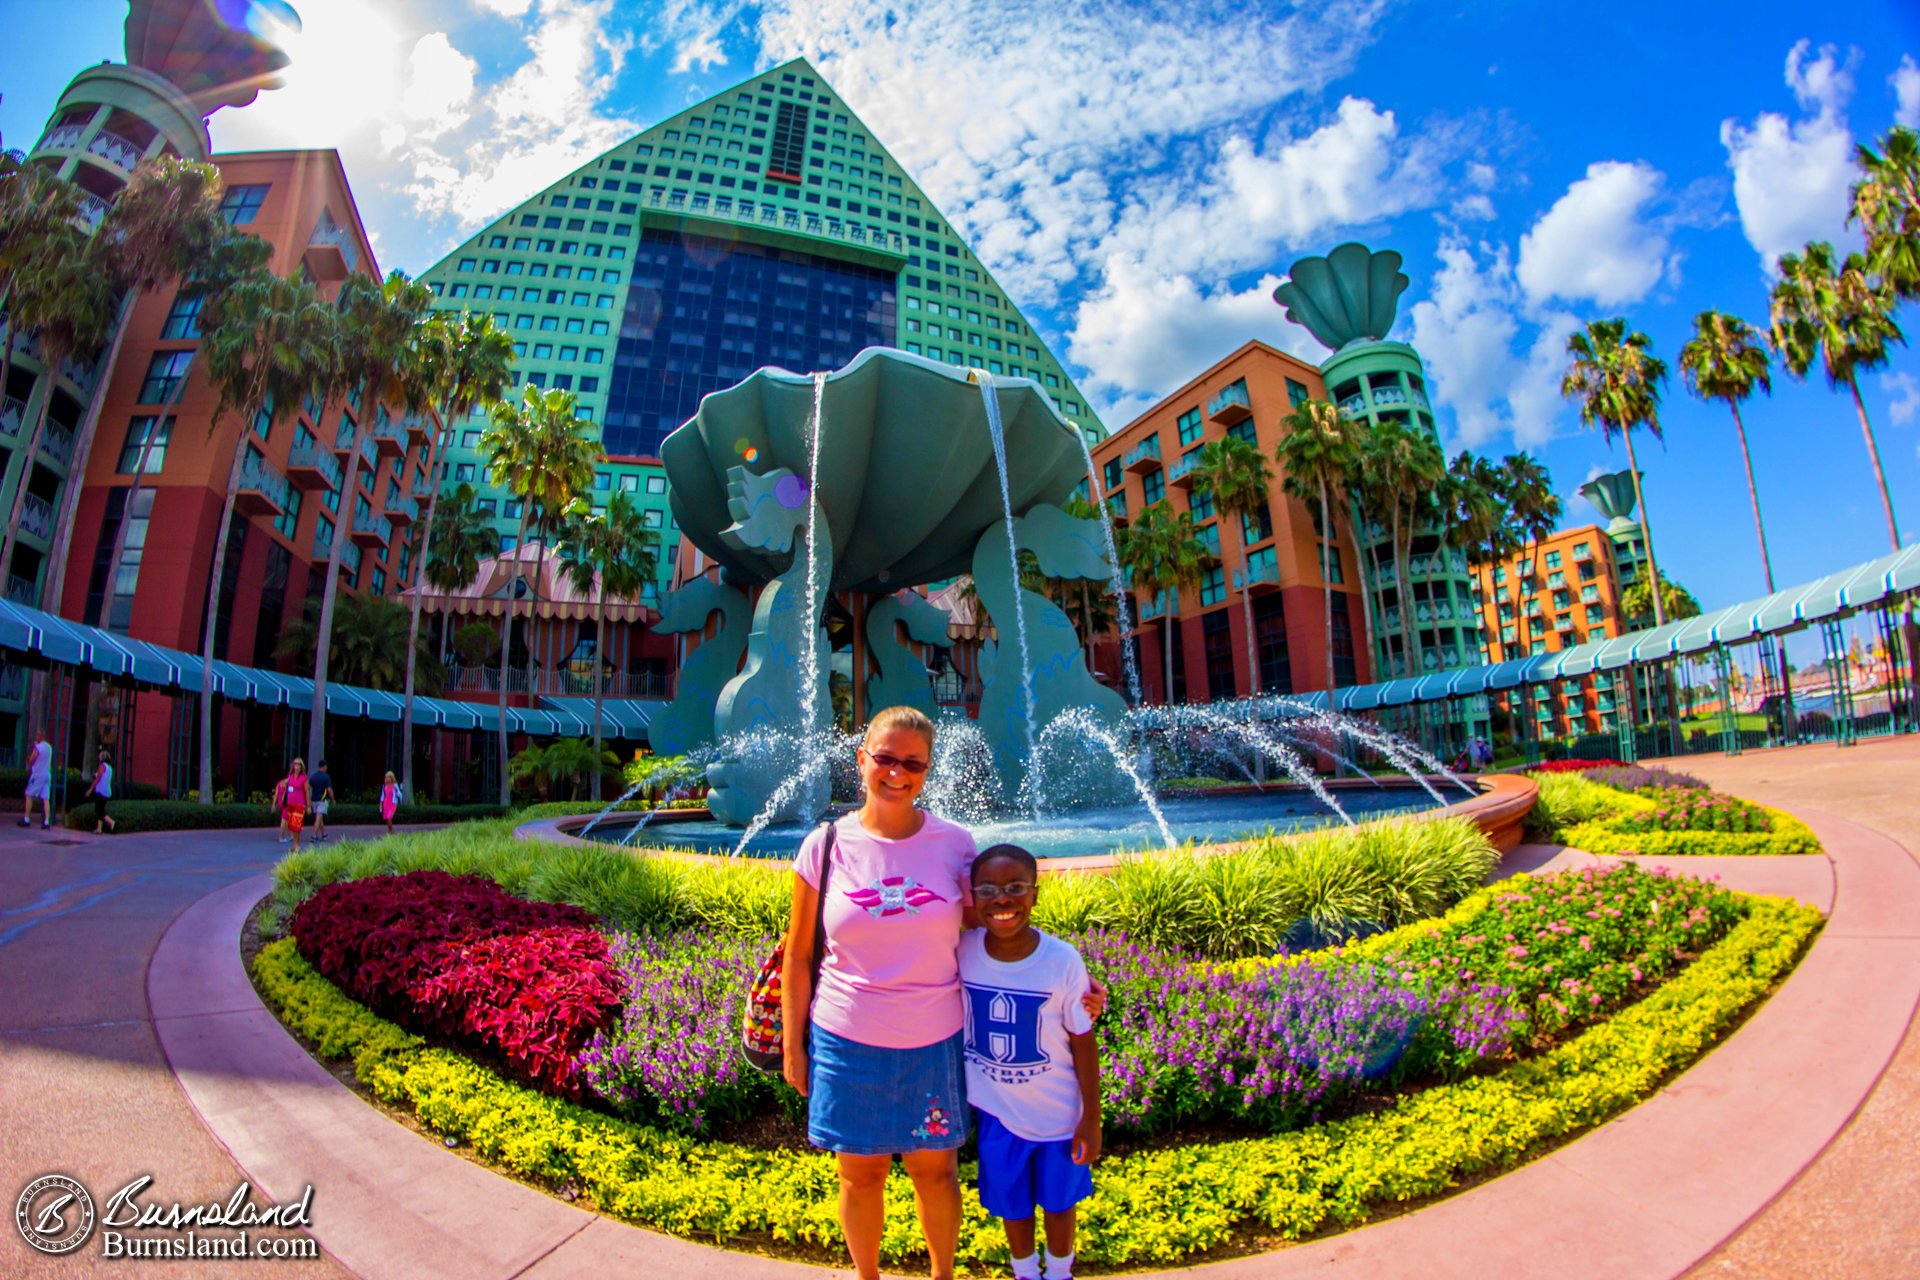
(511, 509)
(1200, 504)
(651, 519)
(1553, 559)
(148, 435)
(1153, 486)
(463, 471)
(1242, 430)
(656, 484)
(240, 204)
(165, 373)
(1297, 393)
(629, 484)
(183, 321)
(1596, 614)
(466, 264)
(1258, 527)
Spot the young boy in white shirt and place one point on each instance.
(1033, 1076)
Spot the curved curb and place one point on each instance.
(1648, 1194)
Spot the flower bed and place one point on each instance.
(456, 956)
(1155, 1205)
(1663, 819)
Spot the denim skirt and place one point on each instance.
(867, 1101)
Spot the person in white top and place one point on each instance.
(40, 780)
(100, 792)
(1033, 1074)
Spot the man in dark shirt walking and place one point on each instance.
(321, 786)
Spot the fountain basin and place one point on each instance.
(1089, 840)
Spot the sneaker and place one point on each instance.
(26, 822)
(284, 839)
(46, 826)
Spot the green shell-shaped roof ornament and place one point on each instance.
(1348, 296)
(1612, 495)
(217, 52)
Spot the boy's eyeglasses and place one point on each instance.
(1012, 889)
(884, 761)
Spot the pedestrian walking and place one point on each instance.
(100, 792)
(320, 786)
(389, 800)
(39, 780)
(296, 789)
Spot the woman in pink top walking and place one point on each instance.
(877, 1049)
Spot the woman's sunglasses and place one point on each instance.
(882, 760)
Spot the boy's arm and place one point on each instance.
(1086, 1068)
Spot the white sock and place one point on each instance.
(1058, 1267)
(1027, 1268)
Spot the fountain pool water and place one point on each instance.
(1099, 829)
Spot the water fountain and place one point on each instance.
(816, 503)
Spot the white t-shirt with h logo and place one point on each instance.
(1019, 1017)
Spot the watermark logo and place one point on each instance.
(54, 1214)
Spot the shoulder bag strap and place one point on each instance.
(820, 907)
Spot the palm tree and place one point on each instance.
(471, 362)
(37, 213)
(1886, 201)
(1479, 519)
(1840, 315)
(1534, 509)
(164, 224)
(460, 539)
(542, 454)
(1617, 379)
(1399, 471)
(1727, 360)
(1316, 456)
(1235, 471)
(267, 341)
(64, 304)
(1163, 553)
(369, 642)
(607, 551)
(378, 323)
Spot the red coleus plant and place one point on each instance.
(458, 956)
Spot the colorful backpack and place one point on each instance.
(760, 1034)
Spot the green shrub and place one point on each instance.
(187, 815)
(1160, 1205)
(1789, 837)
(13, 786)
(1568, 799)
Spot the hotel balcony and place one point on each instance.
(57, 443)
(1354, 406)
(1117, 509)
(323, 547)
(766, 217)
(13, 683)
(36, 517)
(331, 253)
(64, 137)
(389, 437)
(92, 210)
(1144, 456)
(115, 150)
(263, 490)
(344, 441)
(13, 415)
(1158, 606)
(402, 510)
(312, 466)
(1388, 393)
(371, 531)
(419, 429)
(1259, 578)
(1231, 405)
(1419, 397)
(22, 590)
(1182, 474)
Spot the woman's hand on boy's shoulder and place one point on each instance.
(1095, 1001)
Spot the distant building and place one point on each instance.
(1248, 395)
(1551, 596)
(767, 225)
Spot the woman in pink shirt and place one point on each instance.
(877, 1049)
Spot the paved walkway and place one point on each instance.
(88, 1030)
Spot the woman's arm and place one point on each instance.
(796, 983)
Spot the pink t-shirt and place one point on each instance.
(891, 978)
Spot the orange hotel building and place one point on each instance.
(160, 402)
(1248, 394)
(1560, 592)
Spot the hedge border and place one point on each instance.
(1155, 1206)
(1790, 837)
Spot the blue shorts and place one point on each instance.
(863, 1100)
(1016, 1174)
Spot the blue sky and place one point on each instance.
(1139, 175)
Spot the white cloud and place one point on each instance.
(1790, 178)
(439, 92)
(1598, 241)
(504, 8)
(1906, 92)
(1467, 329)
(1144, 333)
(1903, 397)
(1036, 129)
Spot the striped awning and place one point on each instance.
(619, 717)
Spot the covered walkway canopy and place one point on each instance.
(30, 631)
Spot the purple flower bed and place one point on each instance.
(674, 1057)
(1186, 1044)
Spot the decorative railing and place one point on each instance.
(705, 205)
(115, 150)
(1419, 397)
(64, 136)
(377, 526)
(22, 590)
(1229, 399)
(36, 516)
(1258, 571)
(13, 683)
(311, 454)
(1389, 394)
(80, 371)
(327, 231)
(92, 210)
(257, 475)
(57, 443)
(1184, 468)
(13, 415)
(323, 547)
(1354, 405)
(405, 507)
(1147, 450)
